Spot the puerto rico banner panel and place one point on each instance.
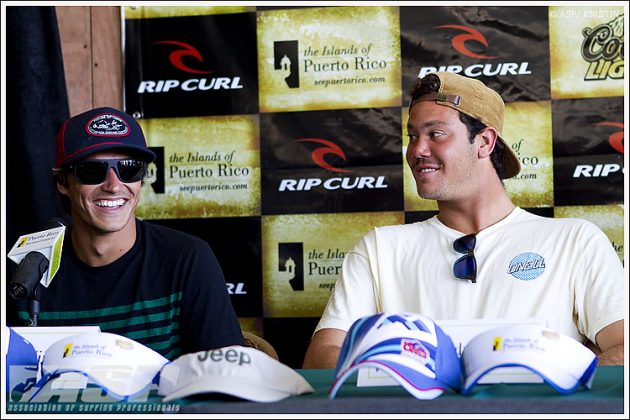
(280, 132)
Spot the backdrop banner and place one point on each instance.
(281, 131)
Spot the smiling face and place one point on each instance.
(441, 158)
(107, 207)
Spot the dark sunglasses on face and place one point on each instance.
(93, 172)
(466, 267)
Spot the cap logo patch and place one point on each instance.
(107, 125)
(414, 349)
(496, 345)
(123, 344)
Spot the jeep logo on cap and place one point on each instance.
(106, 125)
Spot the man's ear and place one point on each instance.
(487, 138)
(62, 184)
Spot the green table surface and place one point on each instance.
(605, 396)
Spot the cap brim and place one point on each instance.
(20, 351)
(234, 386)
(135, 151)
(558, 379)
(560, 360)
(511, 164)
(126, 384)
(417, 384)
(122, 372)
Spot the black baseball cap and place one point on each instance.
(100, 129)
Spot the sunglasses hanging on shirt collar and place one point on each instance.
(465, 267)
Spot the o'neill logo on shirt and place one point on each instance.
(527, 266)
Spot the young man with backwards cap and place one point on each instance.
(480, 256)
(158, 286)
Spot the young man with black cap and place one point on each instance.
(480, 256)
(153, 284)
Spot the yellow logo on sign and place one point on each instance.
(497, 344)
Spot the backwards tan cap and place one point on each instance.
(473, 98)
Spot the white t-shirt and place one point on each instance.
(563, 271)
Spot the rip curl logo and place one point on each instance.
(107, 125)
(330, 149)
(458, 41)
(527, 266)
(177, 57)
(615, 139)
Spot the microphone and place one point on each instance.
(34, 253)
